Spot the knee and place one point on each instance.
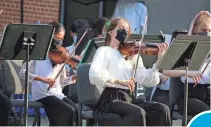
(72, 110)
(140, 113)
(163, 108)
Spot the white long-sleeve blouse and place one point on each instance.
(44, 69)
(109, 64)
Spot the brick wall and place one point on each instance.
(43, 10)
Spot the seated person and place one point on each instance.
(198, 93)
(110, 69)
(76, 29)
(99, 27)
(60, 110)
(98, 30)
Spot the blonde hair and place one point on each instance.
(201, 17)
(114, 22)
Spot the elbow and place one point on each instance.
(152, 82)
(94, 80)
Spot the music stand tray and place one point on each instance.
(26, 42)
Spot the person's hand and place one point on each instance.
(129, 83)
(162, 49)
(49, 81)
(68, 73)
(196, 76)
(73, 77)
(163, 78)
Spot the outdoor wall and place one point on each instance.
(168, 15)
(43, 10)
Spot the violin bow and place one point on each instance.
(1, 11)
(135, 66)
(70, 55)
(139, 49)
(206, 66)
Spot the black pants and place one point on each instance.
(144, 113)
(197, 98)
(60, 112)
(5, 106)
(162, 96)
(71, 92)
(115, 107)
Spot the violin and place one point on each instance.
(61, 55)
(64, 57)
(129, 49)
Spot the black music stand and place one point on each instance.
(26, 42)
(186, 53)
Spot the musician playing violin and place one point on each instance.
(110, 69)
(198, 94)
(60, 110)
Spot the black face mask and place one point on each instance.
(55, 43)
(58, 42)
(121, 35)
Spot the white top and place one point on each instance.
(44, 69)
(205, 76)
(134, 12)
(109, 64)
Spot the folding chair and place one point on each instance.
(88, 94)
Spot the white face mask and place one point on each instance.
(75, 39)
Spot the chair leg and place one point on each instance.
(35, 118)
(171, 113)
(90, 122)
(96, 124)
(80, 115)
(34, 121)
(39, 117)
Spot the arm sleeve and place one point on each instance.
(64, 80)
(31, 68)
(98, 73)
(147, 77)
